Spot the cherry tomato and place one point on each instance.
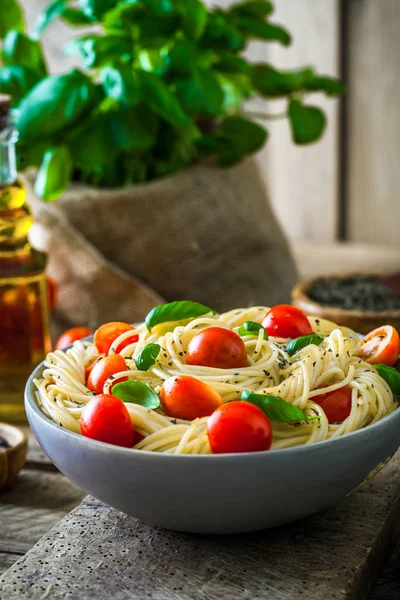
(336, 405)
(381, 345)
(185, 397)
(107, 333)
(286, 321)
(217, 347)
(52, 292)
(109, 365)
(105, 418)
(239, 427)
(72, 335)
(89, 367)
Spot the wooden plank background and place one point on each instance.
(315, 198)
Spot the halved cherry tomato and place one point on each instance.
(103, 369)
(217, 347)
(286, 321)
(336, 405)
(381, 345)
(185, 397)
(107, 333)
(239, 427)
(72, 335)
(52, 292)
(105, 418)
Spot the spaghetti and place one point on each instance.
(299, 379)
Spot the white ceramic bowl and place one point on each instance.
(226, 493)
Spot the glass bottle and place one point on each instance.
(24, 315)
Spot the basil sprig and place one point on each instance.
(391, 376)
(136, 392)
(303, 341)
(176, 311)
(147, 357)
(252, 328)
(276, 408)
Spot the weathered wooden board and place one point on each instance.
(97, 552)
(374, 120)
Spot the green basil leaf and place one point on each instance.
(95, 9)
(258, 9)
(220, 34)
(159, 98)
(238, 137)
(136, 392)
(323, 83)
(391, 376)
(17, 80)
(303, 341)
(307, 122)
(193, 17)
(276, 408)
(48, 15)
(55, 173)
(12, 17)
(253, 28)
(229, 63)
(98, 50)
(121, 84)
(271, 83)
(252, 328)
(200, 93)
(176, 311)
(75, 17)
(54, 104)
(20, 49)
(133, 129)
(147, 357)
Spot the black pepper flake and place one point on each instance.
(173, 421)
(337, 355)
(180, 353)
(314, 363)
(317, 321)
(111, 377)
(170, 364)
(228, 381)
(236, 374)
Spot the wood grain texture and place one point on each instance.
(374, 121)
(303, 180)
(97, 552)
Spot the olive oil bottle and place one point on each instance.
(24, 315)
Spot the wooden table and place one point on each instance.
(41, 497)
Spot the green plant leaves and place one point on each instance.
(200, 93)
(98, 50)
(95, 9)
(136, 392)
(193, 17)
(57, 102)
(54, 175)
(307, 122)
(12, 17)
(252, 328)
(329, 85)
(258, 9)
(19, 49)
(391, 376)
(253, 28)
(75, 17)
(48, 15)
(238, 137)
(17, 80)
(161, 99)
(276, 408)
(303, 341)
(176, 311)
(272, 83)
(121, 84)
(147, 357)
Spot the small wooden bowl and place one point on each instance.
(358, 320)
(12, 459)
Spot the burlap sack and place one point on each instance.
(206, 234)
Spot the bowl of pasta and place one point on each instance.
(219, 423)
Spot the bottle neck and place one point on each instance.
(8, 157)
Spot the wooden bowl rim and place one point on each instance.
(7, 428)
(300, 291)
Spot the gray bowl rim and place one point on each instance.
(341, 441)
